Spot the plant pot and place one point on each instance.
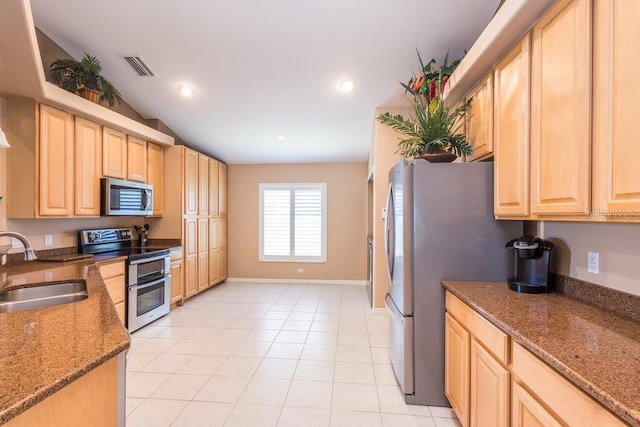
(440, 156)
(91, 95)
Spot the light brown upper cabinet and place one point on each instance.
(203, 184)
(616, 172)
(561, 110)
(191, 182)
(214, 193)
(222, 189)
(511, 131)
(56, 162)
(155, 176)
(114, 153)
(40, 162)
(88, 167)
(136, 159)
(479, 120)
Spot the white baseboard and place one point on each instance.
(298, 281)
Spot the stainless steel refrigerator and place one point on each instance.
(439, 225)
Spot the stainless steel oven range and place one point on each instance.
(147, 272)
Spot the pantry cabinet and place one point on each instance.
(155, 175)
(561, 110)
(479, 120)
(616, 90)
(190, 242)
(88, 167)
(136, 159)
(196, 219)
(114, 153)
(222, 189)
(511, 112)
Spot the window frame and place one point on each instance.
(292, 187)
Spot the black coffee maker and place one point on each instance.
(528, 260)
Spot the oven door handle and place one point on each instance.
(147, 285)
(149, 259)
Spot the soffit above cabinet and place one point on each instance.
(22, 75)
(510, 23)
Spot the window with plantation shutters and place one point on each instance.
(293, 222)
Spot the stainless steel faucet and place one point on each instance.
(29, 253)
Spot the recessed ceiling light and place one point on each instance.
(346, 85)
(185, 90)
(281, 138)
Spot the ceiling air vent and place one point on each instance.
(138, 65)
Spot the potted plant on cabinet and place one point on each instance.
(83, 77)
(434, 130)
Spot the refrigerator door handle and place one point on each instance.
(392, 309)
(389, 230)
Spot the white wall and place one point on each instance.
(617, 244)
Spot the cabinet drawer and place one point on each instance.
(116, 288)
(568, 402)
(111, 270)
(120, 309)
(496, 341)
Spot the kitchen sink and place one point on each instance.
(42, 295)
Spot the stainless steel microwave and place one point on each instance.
(125, 198)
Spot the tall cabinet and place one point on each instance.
(195, 211)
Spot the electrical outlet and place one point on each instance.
(301, 270)
(593, 262)
(48, 276)
(48, 240)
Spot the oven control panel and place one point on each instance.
(104, 235)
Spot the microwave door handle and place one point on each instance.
(145, 199)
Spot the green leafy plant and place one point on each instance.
(72, 75)
(433, 126)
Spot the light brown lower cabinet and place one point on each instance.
(113, 275)
(492, 381)
(177, 291)
(91, 400)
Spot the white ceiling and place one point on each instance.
(261, 69)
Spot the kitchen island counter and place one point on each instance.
(44, 350)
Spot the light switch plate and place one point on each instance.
(593, 262)
(48, 239)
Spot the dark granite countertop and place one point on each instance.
(596, 349)
(43, 350)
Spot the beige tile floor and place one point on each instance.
(243, 354)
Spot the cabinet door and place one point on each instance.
(479, 123)
(176, 282)
(136, 159)
(456, 374)
(191, 182)
(222, 189)
(489, 391)
(114, 153)
(203, 253)
(561, 110)
(526, 411)
(56, 161)
(214, 252)
(190, 242)
(155, 176)
(88, 167)
(203, 184)
(213, 187)
(511, 132)
(222, 245)
(616, 175)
